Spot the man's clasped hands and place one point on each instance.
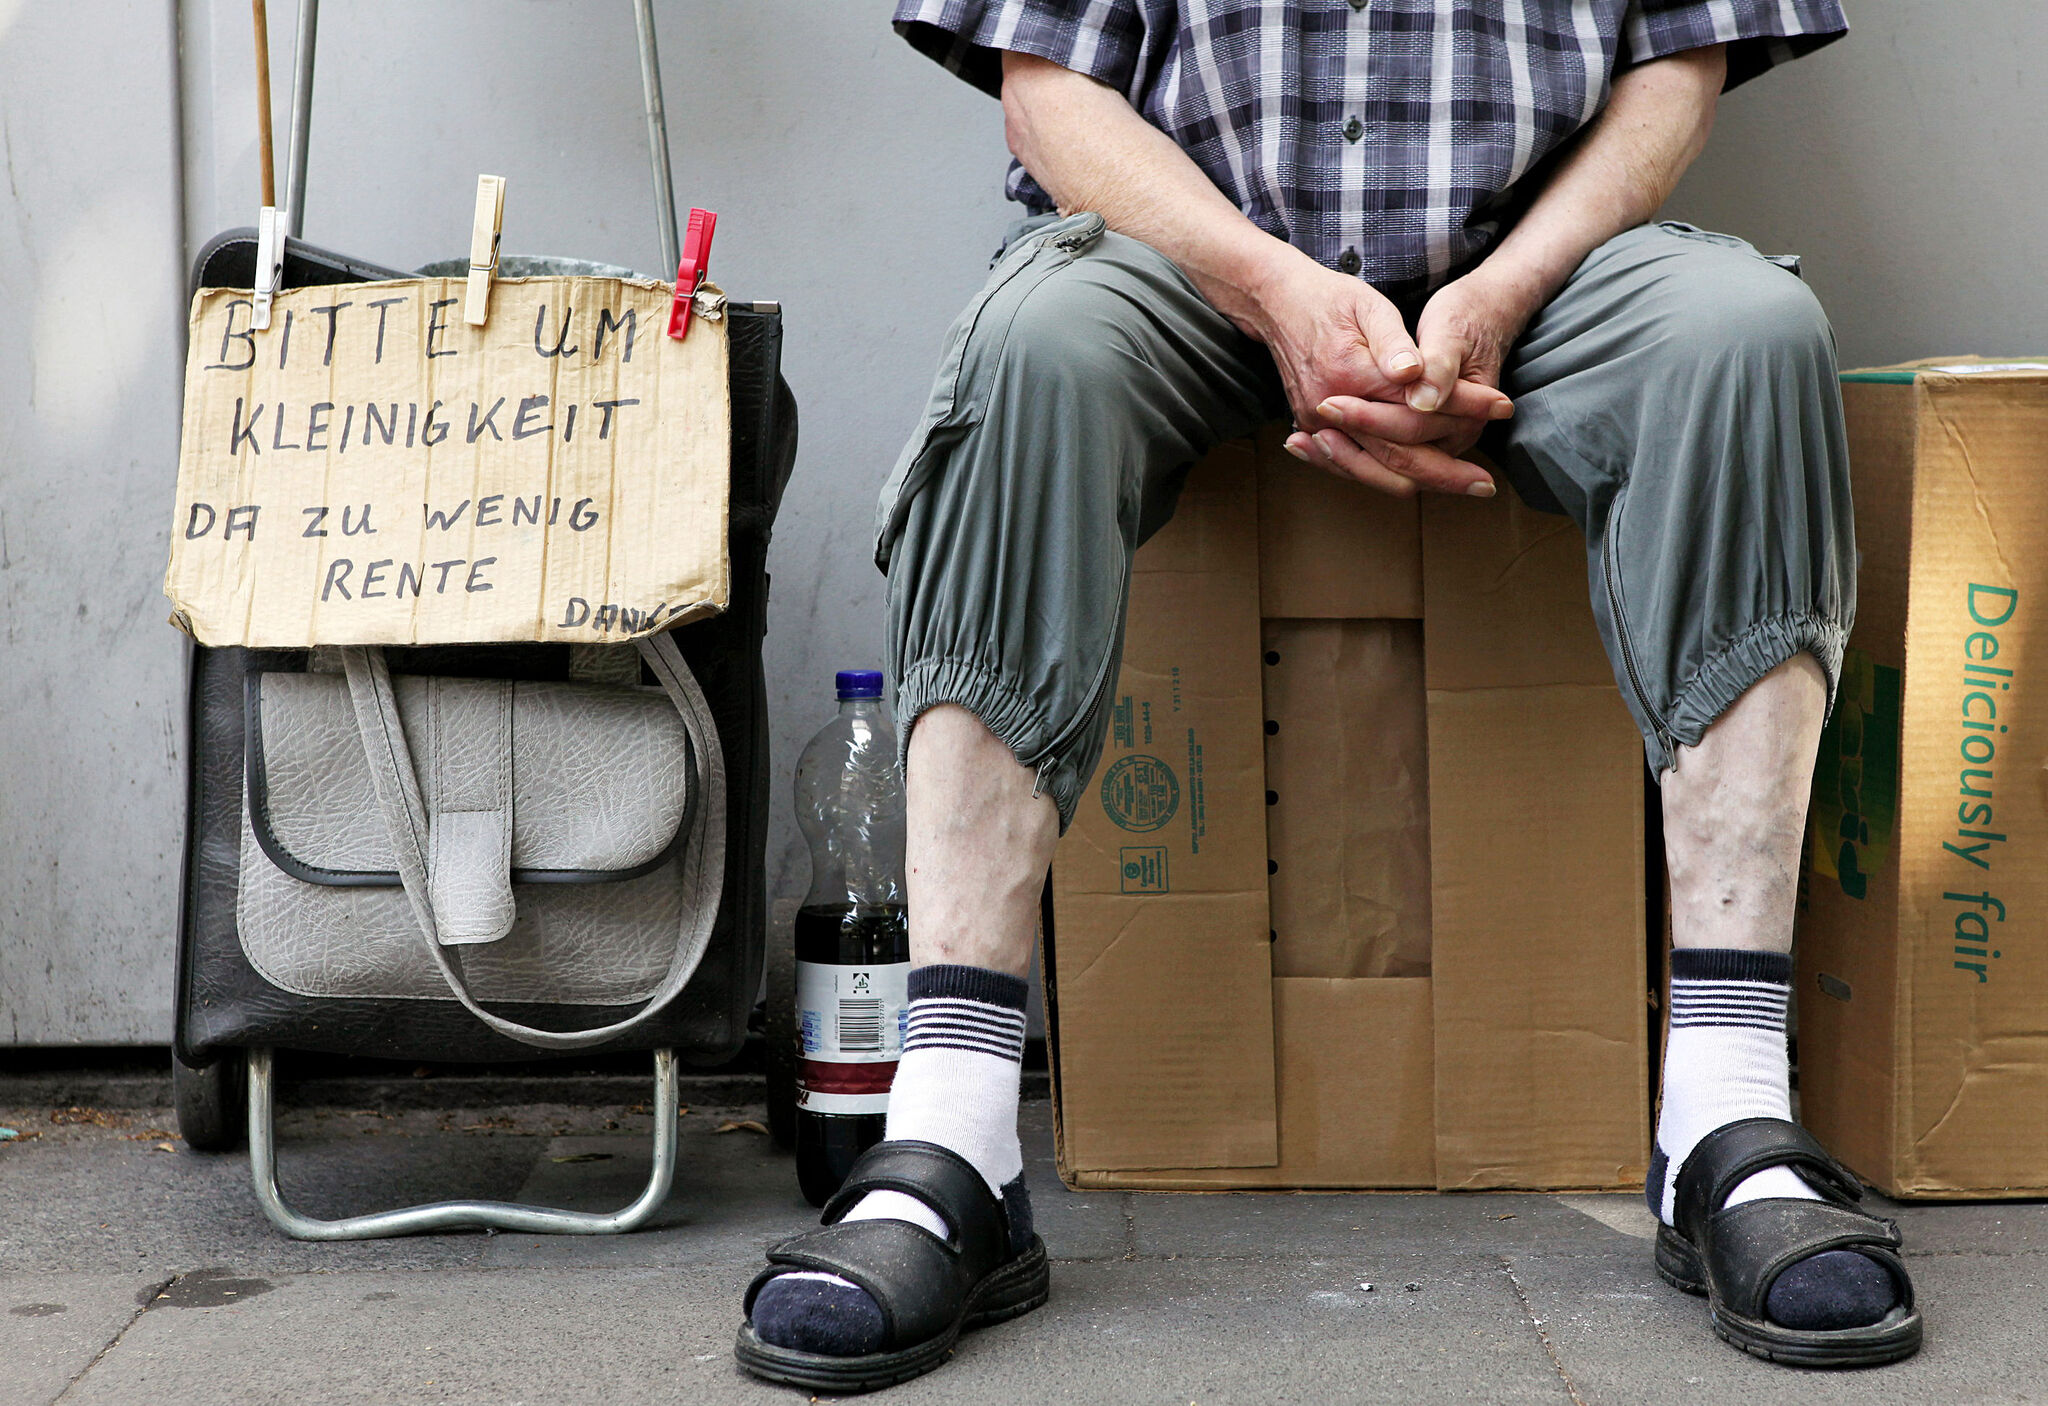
(1373, 403)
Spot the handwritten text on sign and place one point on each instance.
(373, 470)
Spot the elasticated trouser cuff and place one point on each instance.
(1728, 674)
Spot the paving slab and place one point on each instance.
(1235, 1224)
(735, 1194)
(53, 1325)
(1115, 1332)
(1157, 1297)
(1076, 1225)
(1623, 1212)
(110, 1203)
(524, 1336)
(1179, 1331)
(1984, 1227)
(1624, 1336)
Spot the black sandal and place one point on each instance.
(929, 1290)
(1733, 1254)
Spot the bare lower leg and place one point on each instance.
(1734, 817)
(977, 845)
(1735, 814)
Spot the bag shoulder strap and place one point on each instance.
(405, 821)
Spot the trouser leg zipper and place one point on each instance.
(1619, 614)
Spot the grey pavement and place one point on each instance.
(134, 1270)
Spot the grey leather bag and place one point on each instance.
(480, 840)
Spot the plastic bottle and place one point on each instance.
(852, 940)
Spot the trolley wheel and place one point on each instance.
(211, 1101)
(779, 1042)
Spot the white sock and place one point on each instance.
(956, 1085)
(1725, 1059)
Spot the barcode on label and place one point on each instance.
(860, 1025)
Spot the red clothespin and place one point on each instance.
(691, 272)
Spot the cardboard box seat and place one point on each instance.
(1356, 898)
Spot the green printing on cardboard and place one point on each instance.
(1856, 776)
(1143, 868)
(1122, 723)
(1986, 693)
(1140, 792)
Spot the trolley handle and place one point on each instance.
(292, 214)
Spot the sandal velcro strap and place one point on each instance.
(944, 1181)
(914, 1277)
(1731, 1154)
(922, 1284)
(1753, 1243)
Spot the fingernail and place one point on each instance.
(1423, 397)
(1482, 489)
(1296, 450)
(1323, 448)
(1329, 411)
(1502, 410)
(1406, 361)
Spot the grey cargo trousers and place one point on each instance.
(1677, 399)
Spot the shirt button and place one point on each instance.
(1349, 262)
(1353, 130)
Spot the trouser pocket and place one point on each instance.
(956, 402)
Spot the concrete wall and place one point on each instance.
(855, 181)
(91, 348)
(1905, 163)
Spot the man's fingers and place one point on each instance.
(1475, 400)
(1359, 468)
(1469, 400)
(1422, 465)
(1393, 350)
(1441, 361)
(1386, 420)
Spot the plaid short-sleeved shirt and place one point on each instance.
(1392, 139)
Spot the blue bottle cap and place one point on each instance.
(860, 683)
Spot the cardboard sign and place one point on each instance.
(372, 470)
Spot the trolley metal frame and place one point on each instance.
(262, 1123)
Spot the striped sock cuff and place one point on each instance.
(1729, 964)
(1726, 987)
(991, 988)
(966, 1008)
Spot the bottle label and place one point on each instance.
(850, 1024)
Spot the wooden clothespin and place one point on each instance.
(269, 266)
(692, 271)
(483, 248)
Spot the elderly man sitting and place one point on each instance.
(1416, 226)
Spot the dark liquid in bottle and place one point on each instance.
(848, 935)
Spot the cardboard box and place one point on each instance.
(1923, 980)
(1357, 896)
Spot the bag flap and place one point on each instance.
(600, 777)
